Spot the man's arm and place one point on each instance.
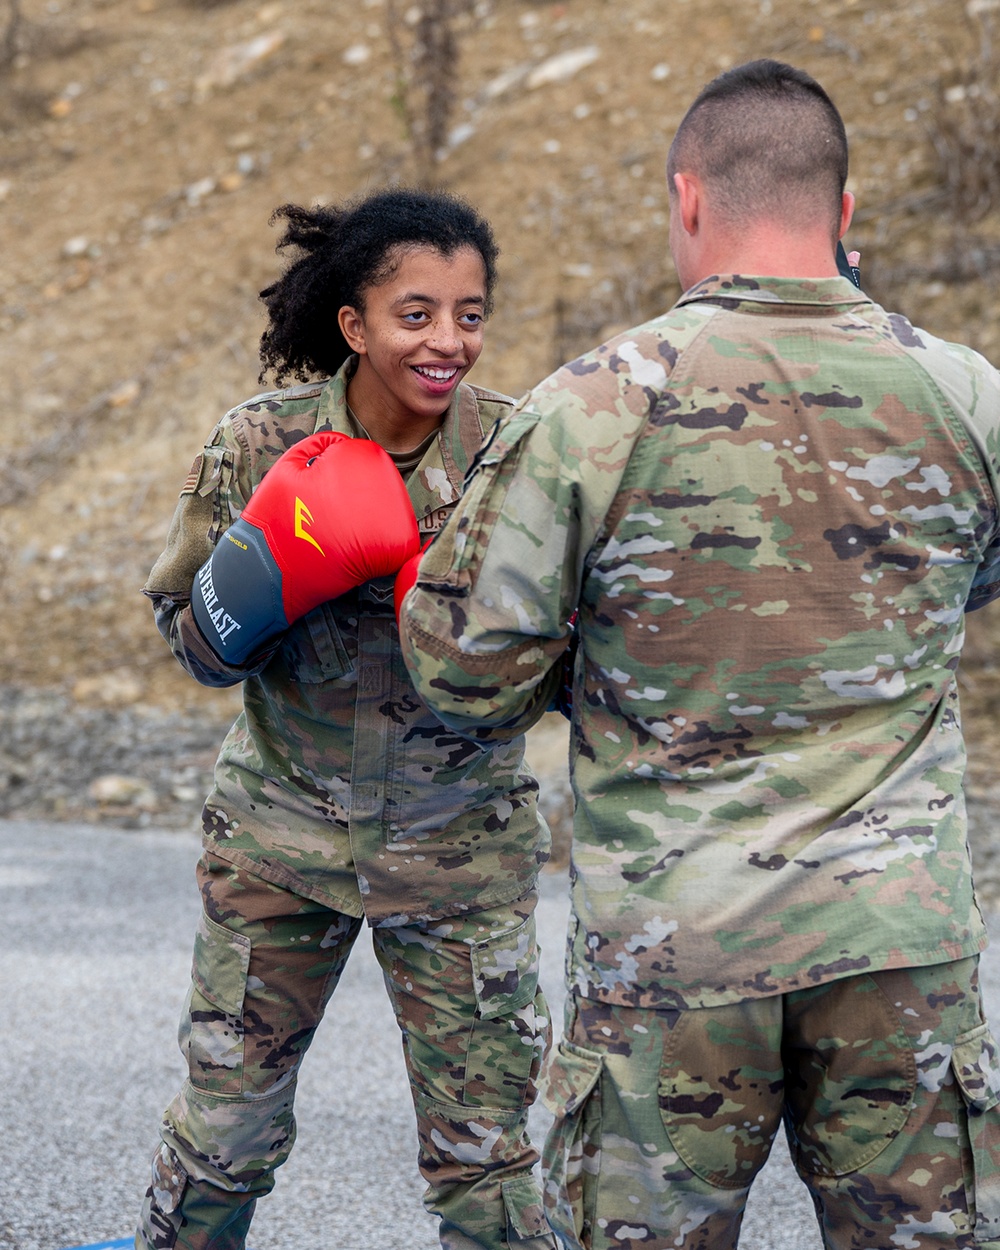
(971, 387)
(485, 623)
(484, 626)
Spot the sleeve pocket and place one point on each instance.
(448, 562)
(505, 971)
(216, 483)
(220, 966)
(203, 512)
(976, 1065)
(506, 434)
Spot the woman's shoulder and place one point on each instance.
(268, 408)
(291, 398)
(269, 422)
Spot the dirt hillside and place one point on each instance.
(144, 144)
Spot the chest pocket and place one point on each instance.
(314, 649)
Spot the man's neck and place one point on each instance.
(770, 251)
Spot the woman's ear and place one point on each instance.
(352, 327)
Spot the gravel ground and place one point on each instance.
(134, 841)
(95, 952)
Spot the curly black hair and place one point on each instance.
(343, 251)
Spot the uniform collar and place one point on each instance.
(733, 288)
(332, 411)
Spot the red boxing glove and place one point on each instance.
(407, 576)
(331, 513)
(335, 513)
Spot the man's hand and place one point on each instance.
(331, 513)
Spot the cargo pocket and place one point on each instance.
(976, 1066)
(211, 1033)
(525, 1215)
(571, 1157)
(505, 1047)
(160, 1220)
(464, 1157)
(505, 970)
(169, 1181)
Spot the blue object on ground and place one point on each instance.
(126, 1243)
(106, 1245)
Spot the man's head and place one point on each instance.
(764, 152)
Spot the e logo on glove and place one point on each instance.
(304, 517)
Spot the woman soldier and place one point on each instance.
(338, 797)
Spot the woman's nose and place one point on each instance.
(445, 338)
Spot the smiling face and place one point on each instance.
(418, 334)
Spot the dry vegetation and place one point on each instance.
(144, 143)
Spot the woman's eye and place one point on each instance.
(415, 318)
(472, 319)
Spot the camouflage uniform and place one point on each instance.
(886, 1084)
(771, 508)
(339, 797)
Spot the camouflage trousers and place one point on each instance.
(474, 1025)
(887, 1085)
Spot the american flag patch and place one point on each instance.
(194, 474)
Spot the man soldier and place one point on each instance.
(769, 509)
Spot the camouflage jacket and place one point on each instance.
(336, 781)
(771, 507)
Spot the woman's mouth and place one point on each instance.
(440, 375)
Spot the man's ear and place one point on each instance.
(846, 212)
(688, 191)
(352, 327)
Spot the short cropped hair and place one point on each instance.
(342, 251)
(769, 142)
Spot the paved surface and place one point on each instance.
(96, 928)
